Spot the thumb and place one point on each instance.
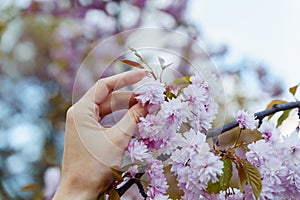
(126, 127)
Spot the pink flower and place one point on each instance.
(132, 171)
(152, 92)
(258, 152)
(172, 111)
(137, 151)
(158, 182)
(159, 197)
(150, 126)
(269, 131)
(206, 169)
(246, 120)
(291, 148)
(196, 141)
(195, 165)
(197, 95)
(197, 79)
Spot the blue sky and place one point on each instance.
(267, 31)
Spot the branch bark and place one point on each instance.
(259, 115)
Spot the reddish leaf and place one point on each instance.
(132, 63)
(242, 176)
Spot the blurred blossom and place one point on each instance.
(24, 51)
(96, 22)
(20, 4)
(129, 15)
(23, 136)
(16, 164)
(85, 2)
(11, 35)
(51, 181)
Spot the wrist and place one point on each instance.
(82, 188)
(70, 190)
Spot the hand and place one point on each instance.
(91, 149)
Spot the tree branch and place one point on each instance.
(259, 115)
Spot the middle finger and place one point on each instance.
(118, 100)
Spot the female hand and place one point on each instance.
(91, 149)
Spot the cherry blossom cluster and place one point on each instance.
(174, 127)
(173, 134)
(195, 165)
(278, 160)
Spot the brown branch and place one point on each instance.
(259, 115)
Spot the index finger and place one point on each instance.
(105, 86)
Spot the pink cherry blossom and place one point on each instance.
(158, 183)
(137, 151)
(151, 92)
(246, 120)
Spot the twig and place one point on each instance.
(259, 115)
(141, 188)
(129, 183)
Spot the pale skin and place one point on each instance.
(90, 149)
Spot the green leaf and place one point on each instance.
(117, 174)
(185, 79)
(293, 90)
(224, 180)
(113, 195)
(242, 176)
(213, 187)
(283, 117)
(132, 63)
(227, 174)
(274, 103)
(253, 177)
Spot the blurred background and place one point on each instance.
(254, 45)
